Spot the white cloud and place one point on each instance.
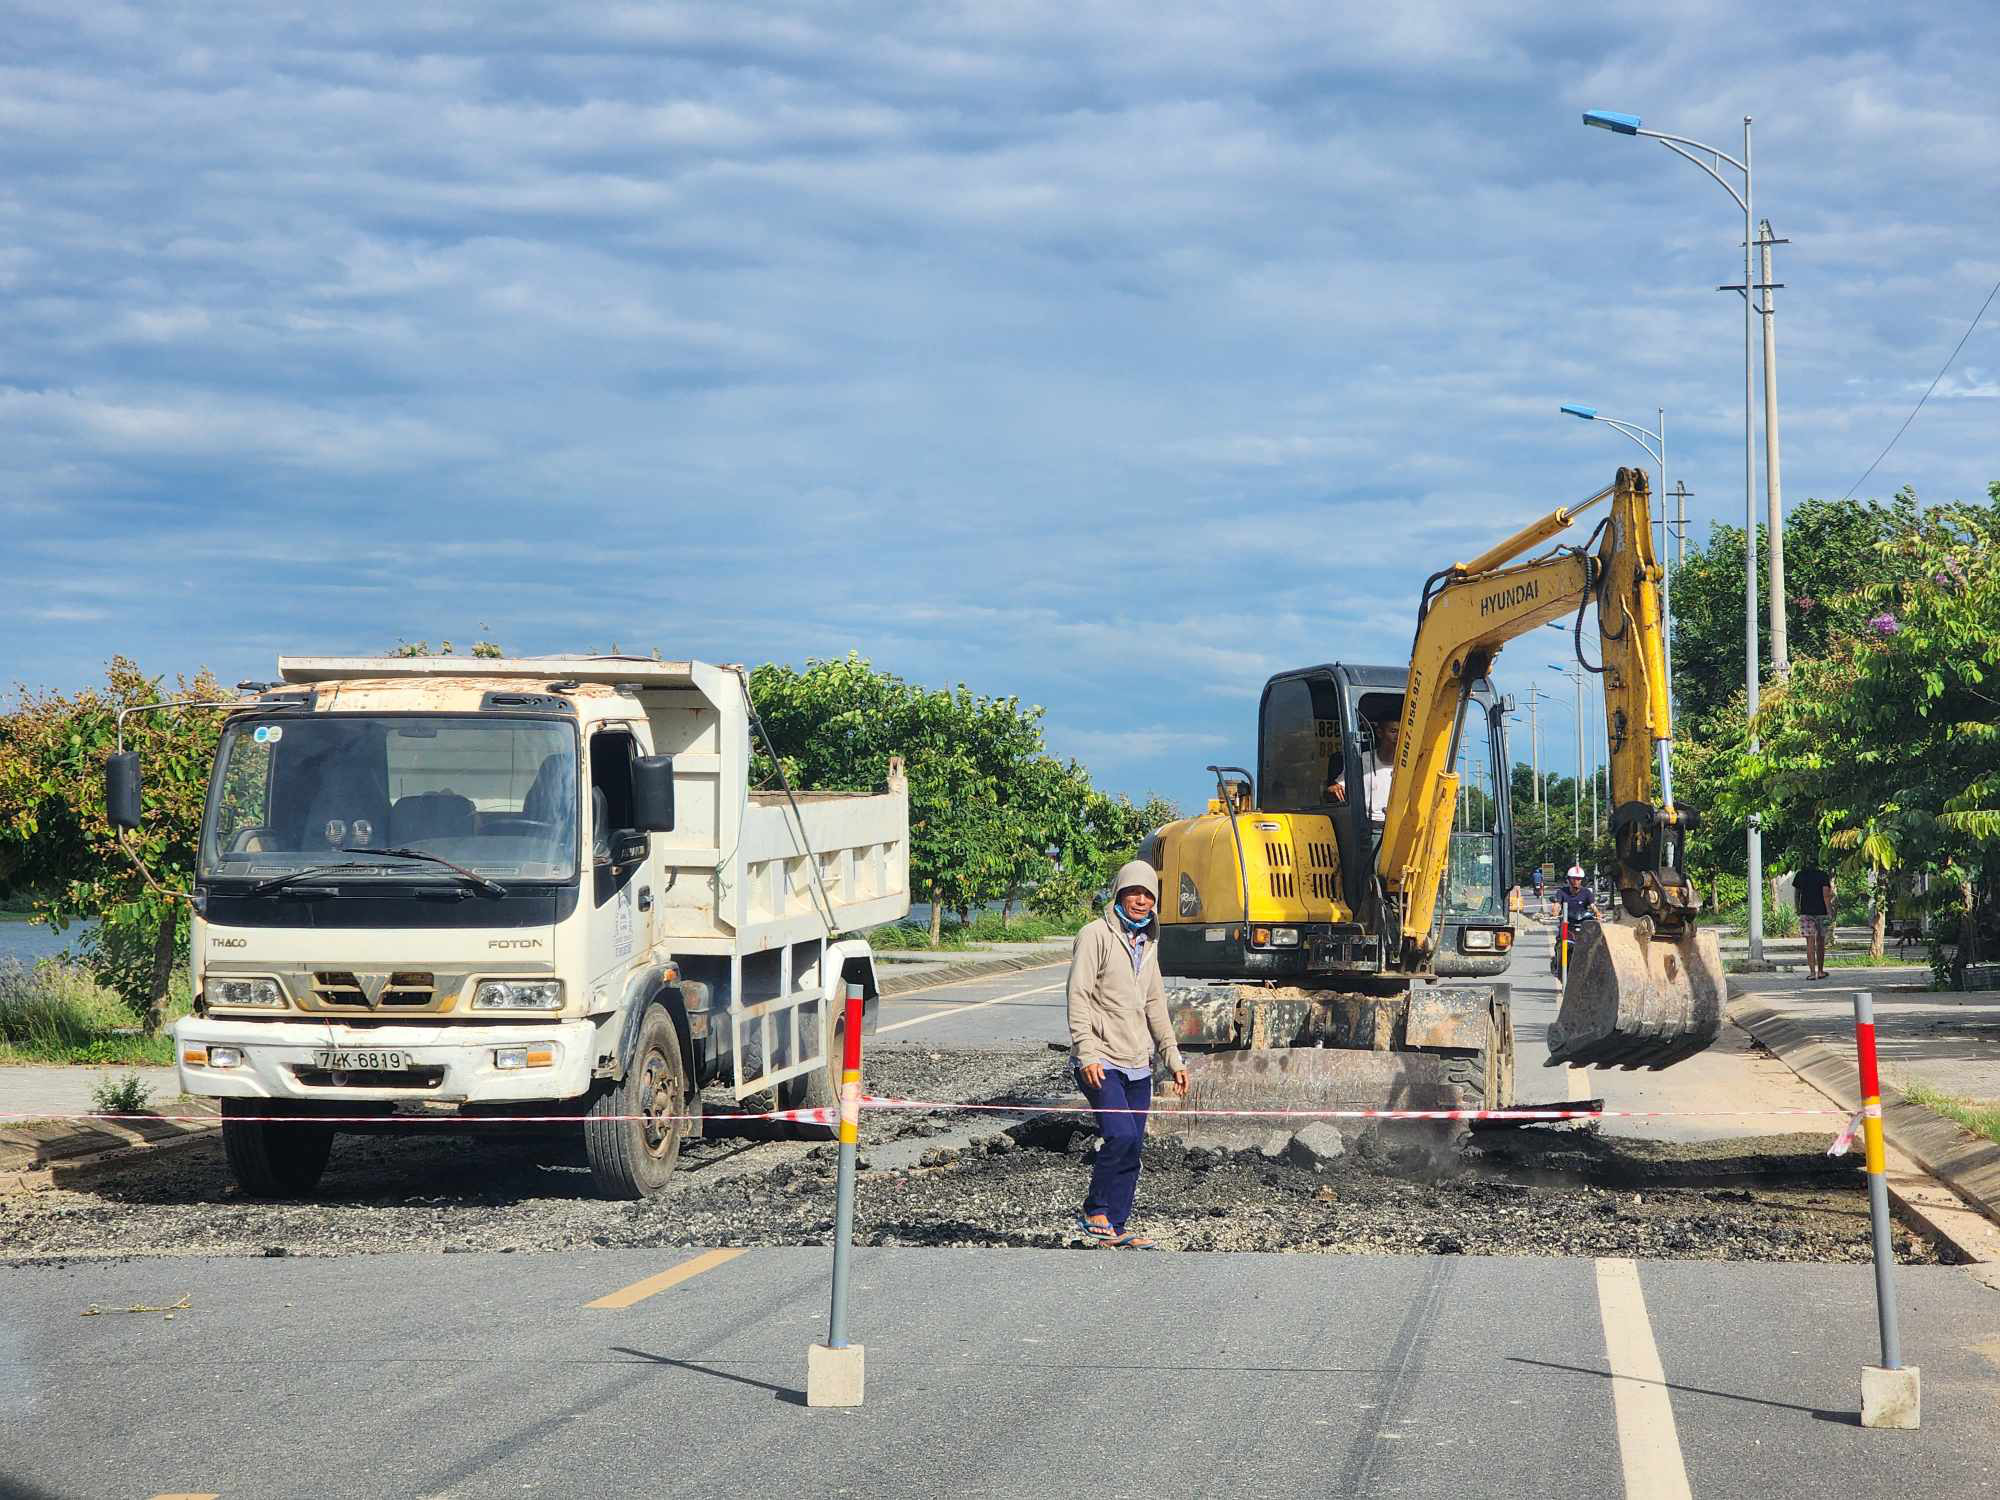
(1115, 354)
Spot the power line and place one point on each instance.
(1926, 395)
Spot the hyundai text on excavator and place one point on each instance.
(1316, 938)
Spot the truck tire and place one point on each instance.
(633, 1129)
(819, 1089)
(281, 1160)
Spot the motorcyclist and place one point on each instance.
(1578, 903)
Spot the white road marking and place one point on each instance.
(938, 1015)
(1649, 1447)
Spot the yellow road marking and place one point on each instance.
(1579, 1083)
(938, 1015)
(639, 1291)
(1649, 1447)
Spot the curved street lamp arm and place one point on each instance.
(1726, 187)
(1672, 141)
(1637, 434)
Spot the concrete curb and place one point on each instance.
(903, 984)
(35, 1157)
(1923, 1146)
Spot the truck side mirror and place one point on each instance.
(653, 793)
(121, 789)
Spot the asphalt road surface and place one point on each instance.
(1003, 1372)
(990, 1373)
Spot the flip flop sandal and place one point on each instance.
(1133, 1241)
(1103, 1233)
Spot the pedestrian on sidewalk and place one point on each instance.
(1812, 888)
(1117, 1020)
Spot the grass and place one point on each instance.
(1980, 1119)
(985, 928)
(55, 1013)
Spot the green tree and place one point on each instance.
(1887, 747)
(59, 842)
(987, 802)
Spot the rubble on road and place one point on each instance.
(970, 1179)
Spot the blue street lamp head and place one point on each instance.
(1610, 119)
(1588, 413)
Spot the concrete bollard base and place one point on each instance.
(833, 1376)
(1891, 1398)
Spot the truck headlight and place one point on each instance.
(1476, 940)
(518, 994)
(245, 992)
(1284, 937)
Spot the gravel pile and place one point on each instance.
(963, 1180)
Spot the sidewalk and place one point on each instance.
(1950, 1042)
(31, 1152)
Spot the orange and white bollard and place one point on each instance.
(834, 1369)
(1891, 1393)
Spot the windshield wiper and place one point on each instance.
(490, 887)
(311, 872)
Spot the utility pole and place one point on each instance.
(1781, 661)
(1535, 743)
(1681, 495)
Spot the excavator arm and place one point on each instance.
(1469, 612)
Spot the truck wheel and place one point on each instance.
(819, 1089)
(632, 1130)
(281, 1160)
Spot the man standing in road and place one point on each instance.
(1117, 1018)
(1812, 887)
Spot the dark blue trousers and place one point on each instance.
(1114, 1180)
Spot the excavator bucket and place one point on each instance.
(1632, 1000)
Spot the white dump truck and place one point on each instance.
(525, 887)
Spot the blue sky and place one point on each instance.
(1115, 355)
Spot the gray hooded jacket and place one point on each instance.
(1116, 1014)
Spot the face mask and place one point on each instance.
(1132, 923)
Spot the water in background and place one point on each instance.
(25, 942)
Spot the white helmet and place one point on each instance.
(1575, 872)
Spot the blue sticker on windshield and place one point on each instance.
(268, 734)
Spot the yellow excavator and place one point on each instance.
(1310, 917)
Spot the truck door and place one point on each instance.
(621, 900)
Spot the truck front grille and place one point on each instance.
(406, 990)
(337, 987)
(414, 988)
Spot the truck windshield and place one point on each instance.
(495, 795)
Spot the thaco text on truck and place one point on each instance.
(534, 887)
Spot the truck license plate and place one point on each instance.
(357, 1061)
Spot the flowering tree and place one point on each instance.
(1888, 746)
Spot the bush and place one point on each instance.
(1780, 921)
(127, 1096)
(55, 1012)
(1061, 896)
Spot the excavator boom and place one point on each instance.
(1642, 994)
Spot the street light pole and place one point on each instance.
(1638, 434)
(1575, 675)
(1781, 657)
(1684, 147)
